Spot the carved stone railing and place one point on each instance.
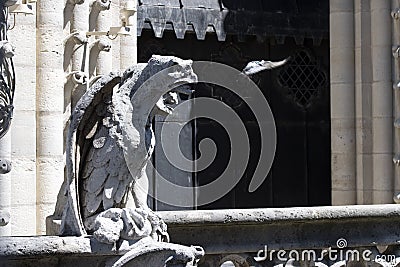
(86, 251)
(316, 236)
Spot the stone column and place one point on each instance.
(116, 44)
(128, 50)
(23, 138)
(79, 61)
(49, 131)
(100, 59)
(363, 76)
(104, 60)
(396, 88)
(342, 102)
(382, 97)
(80, 22)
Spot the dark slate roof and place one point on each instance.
(278, 18)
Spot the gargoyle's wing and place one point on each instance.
(88, 139)
(104, 177)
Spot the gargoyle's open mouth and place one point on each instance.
(166, 104)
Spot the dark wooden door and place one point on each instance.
(298, 95)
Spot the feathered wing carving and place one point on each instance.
(86, 123)
(108, 121)
(108, 146)
(97, 175)
(105, 178)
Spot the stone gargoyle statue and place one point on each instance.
(109, 143)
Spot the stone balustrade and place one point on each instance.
(314, 236)
(237, 236)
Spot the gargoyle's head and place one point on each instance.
(169, 76)
(170, 71)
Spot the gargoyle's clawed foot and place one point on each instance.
(159, 228)
(107, 226)
(130, 224)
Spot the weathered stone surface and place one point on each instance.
(87, 251)
(288, 228)
(109, 143)
(111, 138)
(227, 235)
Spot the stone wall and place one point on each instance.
(45, 95)
(362, 102)
(22, 135)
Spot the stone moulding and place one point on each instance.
(227, 232)
(87, 251)
(285, 228)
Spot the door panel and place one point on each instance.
(298, 95)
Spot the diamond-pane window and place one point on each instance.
(302, 78)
